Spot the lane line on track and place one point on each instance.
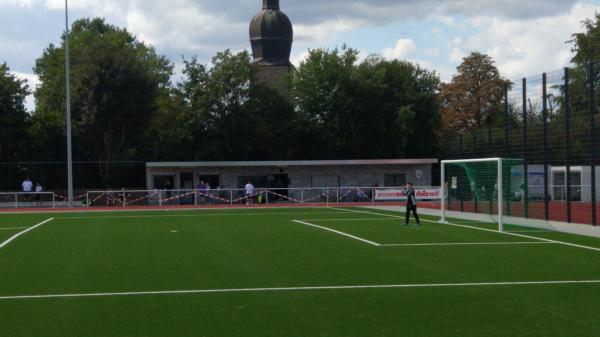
(298, 289)
(14, 237)
(482, 229)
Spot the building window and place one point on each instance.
(325, 180)
(395, 180)
(257, 181)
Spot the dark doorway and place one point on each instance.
(187, 183)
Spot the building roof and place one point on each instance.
(292, 163)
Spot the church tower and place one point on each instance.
(271, 36)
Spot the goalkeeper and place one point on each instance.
(411, 203)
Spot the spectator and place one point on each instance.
(38, 189)
(249, 193)
(360, 195)
(209, 196)
(202, 192)
(27, 188)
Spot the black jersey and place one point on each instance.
(412, 197)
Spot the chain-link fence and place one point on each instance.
(549, 121)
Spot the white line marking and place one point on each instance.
(338, 232)
(188, 215)
(355, 219)
(12, 228)
(11, 239)
(484, 229)
(289, 289)
(467, 244)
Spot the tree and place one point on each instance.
(13, 116)
(116, 84)
(473, 99)
(370, 109)
(228, 116)
(586, 44)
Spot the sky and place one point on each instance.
(524, 37)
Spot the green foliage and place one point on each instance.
(368, 109)
(14, 119)
(222, 115)
(124, 107)
(116, 84)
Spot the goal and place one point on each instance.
(484, 190)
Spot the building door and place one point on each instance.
(187, 183)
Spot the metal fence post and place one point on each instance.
(546, 163)
(506, 121)
(568, 143)
(16, 201)
(525, 154)
(593, 146)
(490, 149)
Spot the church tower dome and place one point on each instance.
(271, 36)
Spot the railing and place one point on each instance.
(259, 196)
(228, 197)
(18, 200)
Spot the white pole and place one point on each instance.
(500, 197)
(68, 87)
(443, 183)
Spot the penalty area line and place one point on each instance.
(482, 229)
(14, 237)
(299, 289)
(338, 232)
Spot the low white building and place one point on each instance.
(291, 174)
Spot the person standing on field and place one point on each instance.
(411, 203)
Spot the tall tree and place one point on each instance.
(228, 116)
(365, 109)
(473, 98)
(116, 82)
(14, 118)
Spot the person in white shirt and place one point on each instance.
(249, 192)
(38, 189)
(27, 188)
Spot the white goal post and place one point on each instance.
(473, 183)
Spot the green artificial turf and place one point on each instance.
(117, 252)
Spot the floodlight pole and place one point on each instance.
(68, 89)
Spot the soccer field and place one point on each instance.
(327, 272)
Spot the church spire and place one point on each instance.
(271, 4)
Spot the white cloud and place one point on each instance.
(404, 49)
(32, 81)
(524, 47)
